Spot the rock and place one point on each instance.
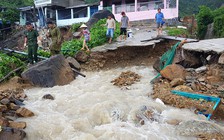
(221, 59)
(201, 69)
(4, 122)
(23, 112)
(102, 14)
(156, 65)
(177, 82)
(77, 34)
(13, 106)
(183, 88)
(173, 71)
(208, 86)
(220, 88)
(48, 96)
(51, 72)
(173, 122)
(5, 101)
(190, 79)
(213, 80)
(81, 56)
(12, 134)
(73, 63)
(18, 125)
(201, 79)
(195, 128)
(3, 108)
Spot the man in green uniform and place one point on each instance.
(31, 41)
(55, 35)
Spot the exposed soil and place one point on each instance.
(126, 56)
(16, 83)
(126, 79)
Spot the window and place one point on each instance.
(64, 14)
(80, 12)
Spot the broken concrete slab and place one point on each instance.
(210, 45)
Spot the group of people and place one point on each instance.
(32, 37)
(111, 26)
(31, 34)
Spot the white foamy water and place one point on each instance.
(92, 108)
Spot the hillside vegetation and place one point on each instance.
(189, 7)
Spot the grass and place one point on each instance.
(177, 32)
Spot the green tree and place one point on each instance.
(12, 13)
(204, 18)
(189, 7)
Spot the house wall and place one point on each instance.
(143, 15)
(72, 20)
(141, 10)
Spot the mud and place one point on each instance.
(126, 79)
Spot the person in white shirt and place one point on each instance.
(111, 26)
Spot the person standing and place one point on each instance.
(159, 18)
(111, 26)
(30, 41)
(87, 37)
(124, 24)
(55, 35)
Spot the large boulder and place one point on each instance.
(173, 71)
(73, 63)
(97, 16)
(49, 73)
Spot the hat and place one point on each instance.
(83, 26)
(28, 23)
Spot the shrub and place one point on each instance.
(8, 63)
(98, 37)
(219, 26)
(76, 26)
(44, 53)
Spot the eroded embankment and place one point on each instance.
(126, 56)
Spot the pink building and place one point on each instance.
(141, 9)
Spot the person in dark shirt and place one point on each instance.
(124, 24)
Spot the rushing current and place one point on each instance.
(92, 108)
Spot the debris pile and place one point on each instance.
(11, 102)
(205, 80)
(126, 79)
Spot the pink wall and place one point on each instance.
(143, 15)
